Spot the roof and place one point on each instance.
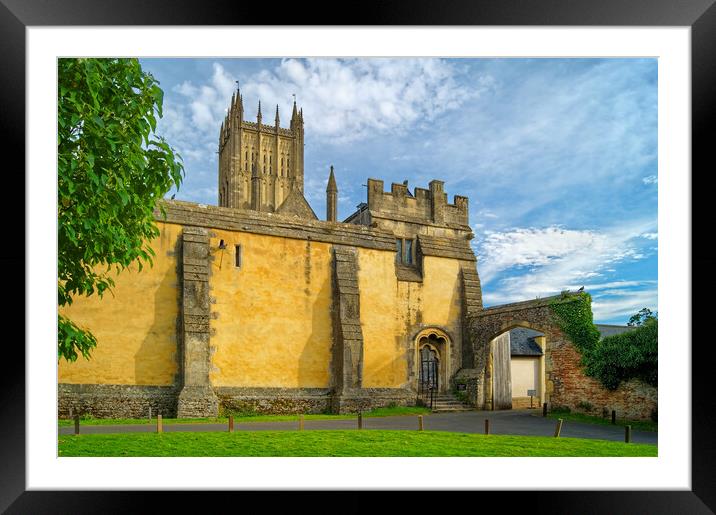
(522, 342)
(610, 330)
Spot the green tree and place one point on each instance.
(640, 318)
(112, 169)
(621, 357)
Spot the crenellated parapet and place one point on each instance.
(407, 214)
(425, 205)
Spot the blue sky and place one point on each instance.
(557, 156)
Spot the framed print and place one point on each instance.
(679, 38)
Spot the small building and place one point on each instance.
(527, 367)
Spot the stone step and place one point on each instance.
(445, 402)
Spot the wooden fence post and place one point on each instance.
(614, 417)
(544, 409)
(160, 428)
(627, 434)
(487, 426)
(420, 422)
(558, 429)
(77, 424)
(300, 422)
(360, 420)
(231, 423)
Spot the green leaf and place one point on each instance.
(106, 195)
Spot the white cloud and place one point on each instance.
(650, 179)
(343, 100)
(347, 99)
(650, 235)
(554, 259)
(626, 303)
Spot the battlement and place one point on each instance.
(422, 206)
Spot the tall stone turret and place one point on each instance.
(259, 164)
(332, 198)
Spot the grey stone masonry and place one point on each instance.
(454, 248)
(272, 224)
(196, 399)
(115, 400)
(348, 337)
(274, 400)
(471, 306)
(472, 291)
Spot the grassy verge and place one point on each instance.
(641, 425)
(340, 443)
(248, 417)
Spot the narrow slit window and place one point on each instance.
(399, 250)
(408, 252)
(237, 256)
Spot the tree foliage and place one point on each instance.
(640, 318)
(112, 168)
(574, 316)
(633, 354)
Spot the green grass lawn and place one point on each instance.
(364, 443)
(248, 417)
(641, 425)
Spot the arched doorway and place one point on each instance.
(429, 378)
(432, 357)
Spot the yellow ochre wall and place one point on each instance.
(136, 327)
(274, 326)
(390, 311)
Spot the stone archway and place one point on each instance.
(485, 326)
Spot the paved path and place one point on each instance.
(513, 422)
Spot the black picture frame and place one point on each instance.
(699, 15)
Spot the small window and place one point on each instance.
(408, 252)
(405, 251)
(237, 255)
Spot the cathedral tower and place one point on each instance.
(259, 165)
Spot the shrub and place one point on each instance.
(633, 354)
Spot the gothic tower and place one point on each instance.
(259, 165)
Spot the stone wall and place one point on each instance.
(116, 400)
(571, 388)
(275, 400)
(368, 398)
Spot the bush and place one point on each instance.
(633, 354)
